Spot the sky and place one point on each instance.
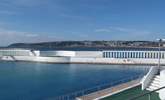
(29, 21)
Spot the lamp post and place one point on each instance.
(160, 40)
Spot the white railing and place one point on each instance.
(148, 78)
(72, 96)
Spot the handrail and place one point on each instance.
(147, 78)
(73, 95)
(144, 94)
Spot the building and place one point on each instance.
(134, 54)
(18, 52)
(127, 56)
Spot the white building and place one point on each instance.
(134, 54)
(18, 52)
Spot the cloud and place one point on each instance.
(122, 33)
(31, 35)
(9, 36)
(123, 30)
(103, 30)
(128, 30)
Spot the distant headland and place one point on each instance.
(87, 44)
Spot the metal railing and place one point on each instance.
(72, 96)
(148, 94)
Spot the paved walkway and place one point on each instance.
(110, 91)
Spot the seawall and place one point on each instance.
(84, 60)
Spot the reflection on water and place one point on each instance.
(38, 81)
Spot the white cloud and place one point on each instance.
(122, 33)
(123, 30)
(31, 35)
(103, 30)
(9, 36)
(129, 30)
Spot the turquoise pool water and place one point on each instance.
(38, 81)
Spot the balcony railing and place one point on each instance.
(147, 96)
(72, 96)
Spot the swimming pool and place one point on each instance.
(39, 81)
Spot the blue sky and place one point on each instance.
(53, 20)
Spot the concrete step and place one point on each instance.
(154, 84)
(157, 76)
(149, 89)
(156, 79)
(153, 87)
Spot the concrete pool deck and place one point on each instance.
(110, 91)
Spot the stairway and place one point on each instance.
(155, 83)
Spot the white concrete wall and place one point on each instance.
(34, 53)
(7, 58)
(88, 54)
(90, 60)
(43, 59)
(57, 53)
(148, 78)
(37, 53)
(162, 84)
(115, 60)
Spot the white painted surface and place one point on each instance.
(37, 53)
(154, 84)
(86, 60)
(87, 54)
(115, 60)
(57, 53)
(40, 59)
(7, 58)
(162, 84)
(148, 78)
(77, 57)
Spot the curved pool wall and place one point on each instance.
(131, 57)
(38, 81)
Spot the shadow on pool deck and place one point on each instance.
(125, 95)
